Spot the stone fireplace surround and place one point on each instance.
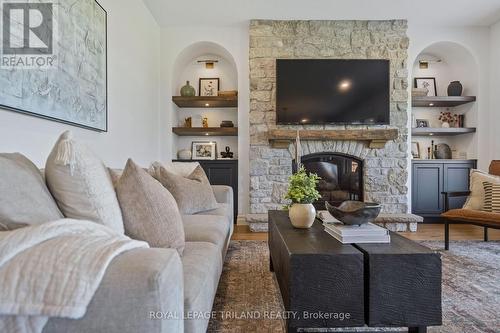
(385, 170)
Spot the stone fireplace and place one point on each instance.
(351, 168)
(341, 177)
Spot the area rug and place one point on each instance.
(248, 299)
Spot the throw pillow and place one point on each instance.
(491, 197)
(475, 201)
(81, 184)
(24, 196)
(150, 212)
(192, 193)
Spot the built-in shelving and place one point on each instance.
(441, 101)
(205, 131)
(430, 131)
(206, 102)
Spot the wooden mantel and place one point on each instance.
(376, 138)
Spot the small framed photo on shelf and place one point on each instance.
(209, 86)
(415, 150)
(428, 83)
(204, 150)
(422, 123)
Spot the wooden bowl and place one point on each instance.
(355, 212)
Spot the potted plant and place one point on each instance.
(302, 192)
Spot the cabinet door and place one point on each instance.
(456, 178)
(427, 185)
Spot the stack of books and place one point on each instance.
(349, 234)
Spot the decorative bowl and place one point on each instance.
(355, 212)
(419, 92)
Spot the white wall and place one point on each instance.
(495, 91)
(235, 40)
(133, 97)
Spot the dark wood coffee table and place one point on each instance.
(325, 284)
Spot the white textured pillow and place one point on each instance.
(81, 184)
(475, 201)
(183, 169)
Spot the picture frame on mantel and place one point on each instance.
(204, 150)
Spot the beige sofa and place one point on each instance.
(151, 290)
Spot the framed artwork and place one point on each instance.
(415, 149)
(428, 83)
(71, 87)
(209, 86)
(422, 123)
(204, 150)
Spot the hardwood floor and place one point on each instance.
(425, 232)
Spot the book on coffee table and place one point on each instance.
(367, 233)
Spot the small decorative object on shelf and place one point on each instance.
(455, 88)
(226, 123)
(228, 93)
(428, 153)
(355, 212)
(448, 119)
(422, 123)
(442, 152)
(184, 154)
(209, 86)
(204, 150)
(205, 122)
(461, 121)
(227, 154)
(432, 150)
(188, 122)
(415, 149)
(302, 191)
(188, 90)
(419, 92)
(428, 83)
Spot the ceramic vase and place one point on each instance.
(302, 216)
(184, 154)
(445, 124)
(187, 90)
(455, 88)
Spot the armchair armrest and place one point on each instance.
(451, 194)
(223, 194)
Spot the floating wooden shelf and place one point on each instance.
(206, 102)
(205, 131)
(441, 101)
(377, 138)
(429, 131)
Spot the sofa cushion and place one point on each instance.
(81, 184)
(150, 213)
(223, 209)
(475, 200)
(193, 193)
(213, 229)
(202, 266)
(469, 215)
(24, 197)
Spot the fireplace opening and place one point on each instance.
(341, 177)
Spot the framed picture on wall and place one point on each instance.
(422, 123)
(209, 86)
(428, 83)
(204, 150)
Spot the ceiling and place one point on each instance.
(231, 12)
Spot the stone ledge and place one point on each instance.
(392, 222)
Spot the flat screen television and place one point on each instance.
(332, 91)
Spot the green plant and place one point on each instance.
(302, 187)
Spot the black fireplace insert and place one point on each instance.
(341, 177)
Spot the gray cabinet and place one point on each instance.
(431, 177)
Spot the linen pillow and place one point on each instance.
(491, 197)
(81, 184)
(24, 196)
(193, 193)
(475, 201)
(150, 212)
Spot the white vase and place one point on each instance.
(184, 154)
(445, 125)
(302, 216)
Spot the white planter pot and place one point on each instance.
(302, 216)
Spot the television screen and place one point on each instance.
(332, 91)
